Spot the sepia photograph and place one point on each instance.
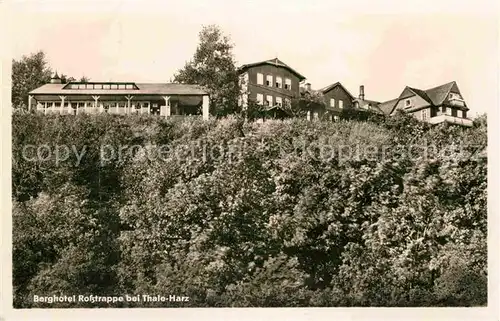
(249, 154)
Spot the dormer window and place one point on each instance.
(100, 86)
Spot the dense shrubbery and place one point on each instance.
(238, 214)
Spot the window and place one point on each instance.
(408, 103)
(443, 109)
(454, 112)
(97, 86)
(425, 114)
(114, 86)
(81, 86)
(260, 79)
(129, 86)
(260, 99)
(279, 82)
(269, 100)
(464, 114)
(269, 80)
(336, 118)
(332, 102)
(279, 101)
(315, 115)
(341, 104)
(106, 86)
(288, 84)
(66, 104)
(121, 86)
(288, 102)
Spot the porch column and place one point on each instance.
(53, 106)
(61, 108)
(309, 115)
(45, 107)
(96, 100)
(167, 106)
(29, 102)
(205, 107)
(128, 98)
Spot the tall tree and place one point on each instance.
(213, 67)
(28, 73)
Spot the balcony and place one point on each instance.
(450, 119)
(456, 102)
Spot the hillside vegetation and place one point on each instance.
(232, 213)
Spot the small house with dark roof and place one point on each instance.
(337, 99)
(337, 102)
(163, 99)
(439, 104)
(271, 83)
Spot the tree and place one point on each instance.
(66, 79)
(213, 67)
(84, 79)
(28, 73)
(31, 72)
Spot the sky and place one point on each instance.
(384, 45)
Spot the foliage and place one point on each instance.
(213, 67)
(235, 213)
(29, 73)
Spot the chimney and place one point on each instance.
(55, 79)
(308, 86)
(362, 92)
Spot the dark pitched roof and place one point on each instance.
(273, 62)
(438, 94)
(330, 87)
(422, 94)
(363, 102)
(388, 106)
(144, 89)
(434, 96)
